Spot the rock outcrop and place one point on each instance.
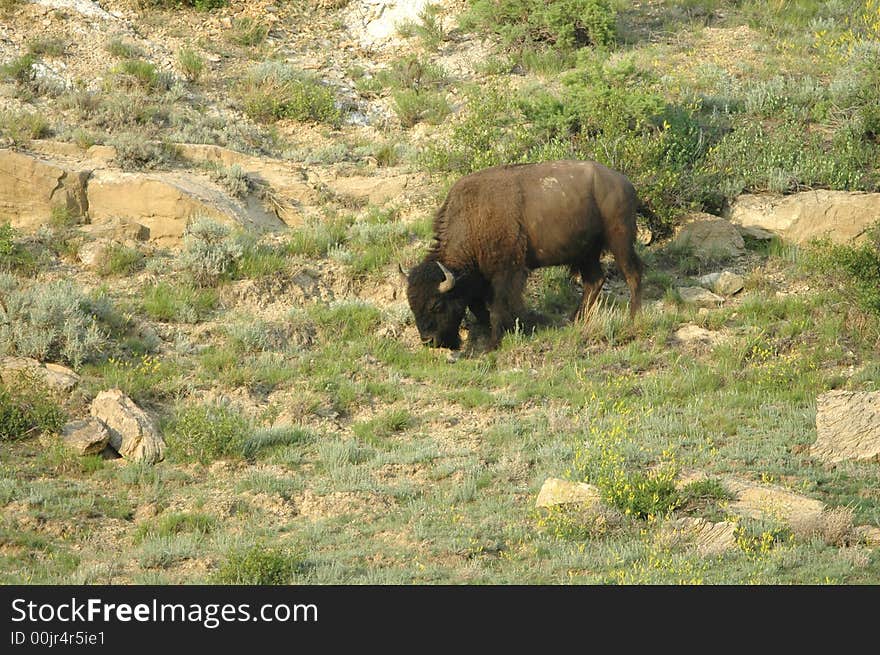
(842, 216)
(847, 426)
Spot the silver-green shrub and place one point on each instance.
(210, 251)
(48, 321)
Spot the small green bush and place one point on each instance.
(190, 64)
(49, 321)
(14, 256)
(26, 409)
(856, 268)
(412, 107)
(316, 237)
(207, 432)
(122, 49)
(24, 126)
(136, 151)
(276, 90)
(210, 252)
(247, 31)
(20, 70)
(139, 73)
(260, 565)
(529, 24)
(169, 525)
(234, 179)
(118, 259)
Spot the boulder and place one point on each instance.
(699, 296)
(556, 491)
(724, 283)
(842, 216)
(691, 335)
(30, 188)
(133, 433)
(847, 426)
(55, 376)
(86, 436)
(709, 237)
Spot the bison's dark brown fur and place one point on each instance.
(498, 224)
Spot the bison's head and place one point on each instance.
(437, 306)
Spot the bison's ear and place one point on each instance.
(448, 279)
(403, 272)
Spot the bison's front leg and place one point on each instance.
(507, 305)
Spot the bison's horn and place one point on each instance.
(448, 282)
(403, 272)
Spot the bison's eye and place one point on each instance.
(436, 306)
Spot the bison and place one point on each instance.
(498, 224)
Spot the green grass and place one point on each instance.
(181, 303)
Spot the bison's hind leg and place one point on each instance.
(631, 266)
(592, 278)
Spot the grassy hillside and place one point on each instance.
(311, 439)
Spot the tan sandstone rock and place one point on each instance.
(847, 425)
(556, 491)
(30, 188)
(55, 376)
(86, 436)
(709, 237)
(842, 216)
(133, 433)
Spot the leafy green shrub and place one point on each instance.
(856, 268)
(139, 73)
(7, 240)
(206, 432)
(142, 378)
(528, 24)
(605, 462)
(190, 63)
(429, 27)
(276, 90)
(412, 72)
(260, 565)
(210, 251)
(316, 237)
(259, 260)
(20, 70)
(14, 255)
(234, 179)
(754, 158)
(492, 132)
(49, 321)
(26, 409)
(413, 106)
